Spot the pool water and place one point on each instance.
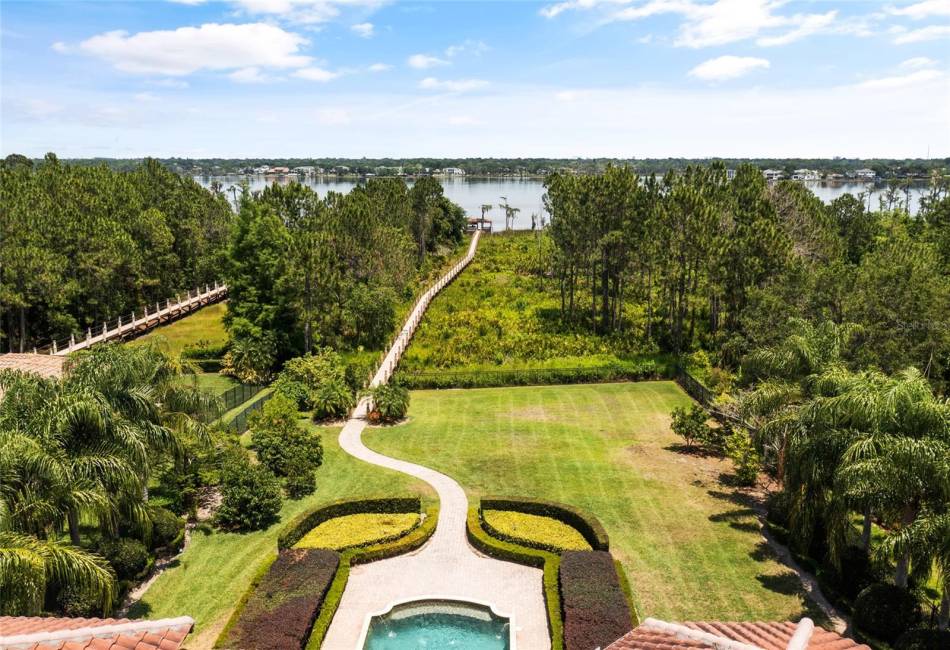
(438, 624)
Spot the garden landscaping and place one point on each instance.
(688, 540)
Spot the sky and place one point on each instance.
(571, 78)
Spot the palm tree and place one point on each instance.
(897, 454)
(927, 543)
(28, 564)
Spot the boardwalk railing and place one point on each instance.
(127, 327)
(401, 342)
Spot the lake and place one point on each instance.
(526, 194)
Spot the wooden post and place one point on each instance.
(72, 341)
(54, 348)
(88, 333)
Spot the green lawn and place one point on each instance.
(690, 544)
(213, 382)
(215, 570)
(206, 324)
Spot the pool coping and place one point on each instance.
(512, 641)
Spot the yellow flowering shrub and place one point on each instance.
(350, 531)
(535, 530)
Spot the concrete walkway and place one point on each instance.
(447, 566)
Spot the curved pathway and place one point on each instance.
(447, 566)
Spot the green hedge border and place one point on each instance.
(624, 371)
(303, 523)
(411, 541)
(499, 549)
(586, 524)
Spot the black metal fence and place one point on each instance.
(239, 394)
(693, 387)
(239, 422)
(631, 371)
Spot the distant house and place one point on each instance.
(280, 170)
(806, 175)
(263, 169)
(865, 173)
(773, 174)
(478, 223)
(453, 171)
(305, 170)
(730, 174)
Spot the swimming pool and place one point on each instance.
(439, 623)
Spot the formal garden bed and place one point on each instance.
(320, 546)
(582, 605)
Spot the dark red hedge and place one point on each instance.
(280, 613)
(595, 608)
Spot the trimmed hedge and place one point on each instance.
(536, 531)
(626, 371)
(353, 531)
(596, 612)
(363, 555)
(586, 524)
(239, 607)
(510, 552)
(307, 521)
(923, 639)
(280, 612)
(628, 593)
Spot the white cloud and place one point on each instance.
(473, 47)
(728, 67)
(250, 75)
(720, 22)
(930, 33)
(918, 62)
(379, 67)
(364, 30)
(316, 74)
(211, 46)
(646, 39)
(424, 61)
(923, 9)
(452, 86)
(60, 47)
(41, 108)
(912, 79)
(145, 97)
(307, 12)
(463, 120)
(170, 83)
(333, 116)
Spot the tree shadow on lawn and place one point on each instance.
(697, 451)
(738, 519)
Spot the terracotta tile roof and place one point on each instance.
(659, 635)
(39, 633)
(45, 365)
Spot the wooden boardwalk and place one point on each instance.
(134, 325)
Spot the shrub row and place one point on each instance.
(510, 552)
(281, 610)
(595, 608)
(306, 521)
(536, 531)
(625, 371)
(363, 555)
(585, 523)
(354, 531)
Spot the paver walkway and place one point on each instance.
(447, 566)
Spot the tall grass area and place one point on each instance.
(502, 314)
(688, 540)
(213, 573)
(204, 325)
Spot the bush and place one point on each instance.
(332, 401)
(166, 527)
(690, 424)
(363, 529)
(584, 523)
(250, 495)
(74, 601)
(855, 573)
(390, 402)
(303, 377)
(204, 349)
(745, 459)
(923, 639)
(251, 356)
(885, 611)
(281, 610)
(128, 557)
(284, 447)
(596, 612)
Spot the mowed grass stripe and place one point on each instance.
(606, 448)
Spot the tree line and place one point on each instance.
(82, 244)
(698, 260)
(305, 271)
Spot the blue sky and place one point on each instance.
(625, 78)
